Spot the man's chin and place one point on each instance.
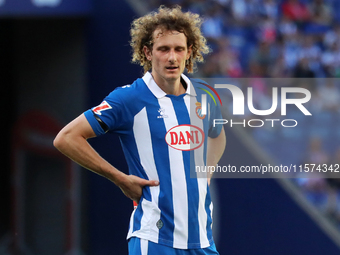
(173, 77)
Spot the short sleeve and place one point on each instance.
(110, 112)
(90, 116)
(215, 113)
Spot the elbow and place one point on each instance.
(59, 141)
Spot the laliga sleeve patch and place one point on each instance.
(102, 107)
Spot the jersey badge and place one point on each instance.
(102, 107)
(199, 111)
(159, 224)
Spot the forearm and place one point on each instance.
(74, 145)
(72, 142)
(81, 152)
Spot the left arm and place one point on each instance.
(215, 150)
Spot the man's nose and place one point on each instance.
(172, 56)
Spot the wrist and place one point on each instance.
(119, 178)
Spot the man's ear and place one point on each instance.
(147, 53)
(189, 52)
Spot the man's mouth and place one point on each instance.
(171, 67)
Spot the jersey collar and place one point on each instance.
(159, 93)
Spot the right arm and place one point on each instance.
(72, 142)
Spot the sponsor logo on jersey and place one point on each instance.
(161, 112)
(102, 107)
(199, 111)
(185, 137)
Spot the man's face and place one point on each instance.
(168, 55)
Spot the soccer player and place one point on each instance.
(164, 135)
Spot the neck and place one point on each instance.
(172, 87)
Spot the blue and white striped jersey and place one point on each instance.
(163, 138)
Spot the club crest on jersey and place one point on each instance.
(185, 137)
(102, 107)
(199, 111)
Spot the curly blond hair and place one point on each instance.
(169, 19)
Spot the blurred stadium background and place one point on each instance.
(58, 58)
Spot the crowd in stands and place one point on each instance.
(268, 40)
